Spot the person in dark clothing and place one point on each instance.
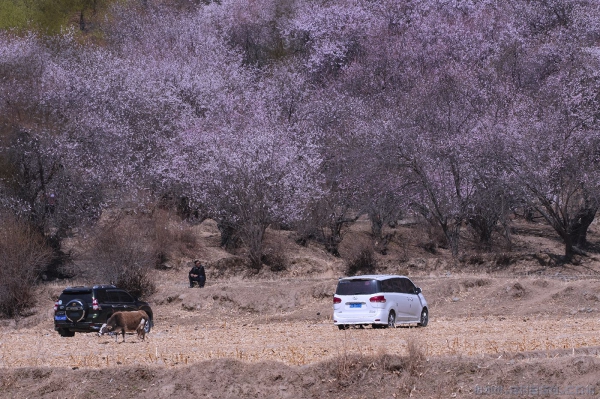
(197, 274)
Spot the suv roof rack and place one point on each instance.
(86, 287)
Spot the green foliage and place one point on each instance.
(14, 14)
(47, 16)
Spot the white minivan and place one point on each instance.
(379, 300)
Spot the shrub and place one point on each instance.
(274, 254)
(230, 235)
(169, 236)
(23, 254)
(188, 239)
(503, 259)
(163, 238)
(363, 263)
(276, 260)
(415, 359)
(122, 254)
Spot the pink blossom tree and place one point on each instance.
(39, 182)
(560, 178)
(553, 133)
(251, 171)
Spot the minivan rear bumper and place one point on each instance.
(377, 317)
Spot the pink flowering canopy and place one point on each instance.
(275, 112)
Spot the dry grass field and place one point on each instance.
(514, 323)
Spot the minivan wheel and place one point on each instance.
(391, 319)
(424, 318)
(342, 327)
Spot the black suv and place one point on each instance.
(85, 309)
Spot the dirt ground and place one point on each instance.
(511, 323)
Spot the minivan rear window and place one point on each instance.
(357, 287)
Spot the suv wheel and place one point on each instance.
(66, 333)
(75, 310)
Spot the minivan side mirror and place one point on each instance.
(418, 290)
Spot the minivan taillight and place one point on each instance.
(55, 306)
(337, 300)
(95, 304)
(377, 299)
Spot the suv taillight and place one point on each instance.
(377, 299)
(95, 304)
(55, 306)
(337, 300)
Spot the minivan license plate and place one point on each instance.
(60, 317)
(355, 305)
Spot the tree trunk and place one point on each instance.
(253, 237)
(229, 235)
(452, 234)
(333, 240)
(331, 246)
(571, 230)
(579, 226)
(483, 228)
(376, 224)
(569, 252)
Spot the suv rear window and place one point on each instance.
(66, 297)
(357, 287)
